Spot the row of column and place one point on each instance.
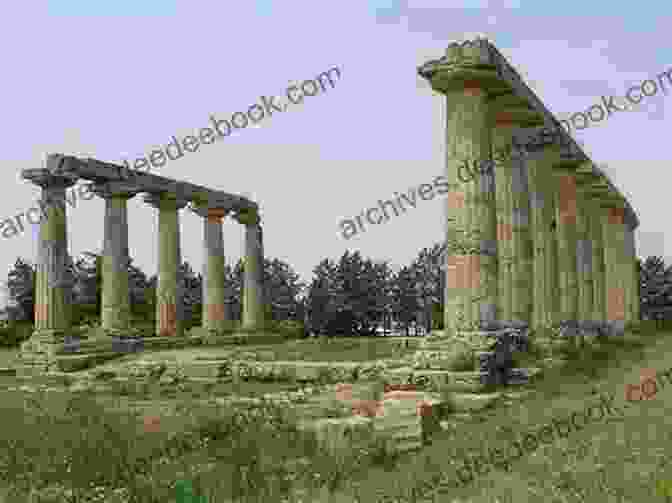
(529, 244)
(53, 295)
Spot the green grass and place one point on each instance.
(7, 356)
(617, 460)
(53, 440)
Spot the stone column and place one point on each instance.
(521, 244)
(116, 307)
(502, 135)
(54, 280)
(595, 225)
(169, 301)
(614, 248)
(630, 273)
(542, 213)
(253, 293)
(636, 298)
(566, 232)
(215, 308)
(584, 268)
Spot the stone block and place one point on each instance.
(445, 380)
(338, 434)
(469, 402)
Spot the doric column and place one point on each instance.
(253, 294)
(636, 299)
(215, 311)
(471, 246)
(169, 302)
(515, 251)
(542, 216)
(584, 267)
(502, 135)
(54, 281)
(566, 232)
(116, 307)
(614, 254)
(595, 226)
(630, 273)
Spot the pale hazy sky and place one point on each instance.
(115, 80)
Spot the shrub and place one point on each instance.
(291, 329)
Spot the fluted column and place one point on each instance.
(630, 273)
(542, 215)
(253, 294)
(614, 248)
(584, 267)
(116, 307)
(169, 302)
(215, 310)
(54, 281)
(566, 232)
(636, 299)
(595, 224)
(465, 75)
(502, 135)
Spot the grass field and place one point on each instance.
(57, 443)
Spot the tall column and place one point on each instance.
(636, 299)
(116, 307)
(465, 75)
(502, 136)
(542, 216)
(169, 302)
(253, 294)
(595, 225)
(54, 281)
(630, 273)
(584, 268)
(521, 243)
(215, 311)
(614, 248)
(566, 232)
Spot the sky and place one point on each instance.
(116, 80)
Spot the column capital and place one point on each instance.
(46, 179)
(212, 213)
(248, 217)
(114, 189)
(166, 200)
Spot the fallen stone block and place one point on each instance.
(343, 433)
(469, 402)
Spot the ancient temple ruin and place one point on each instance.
(53, 291)
(543, 241)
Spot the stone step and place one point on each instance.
(438, 380)
(471, 402)
(76, 362)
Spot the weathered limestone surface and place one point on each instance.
(542, 232)
(614, 257)
(54, 284)
(566, 228)
(54, 281)
(116, 309)
(253, 302)
(169, 308)
(544, 257)
(215, 312)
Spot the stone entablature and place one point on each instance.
(53, 298)
(543, 241)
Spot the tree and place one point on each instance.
(429, 274)
(405, 303)
(20, 286)
(655, 289)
